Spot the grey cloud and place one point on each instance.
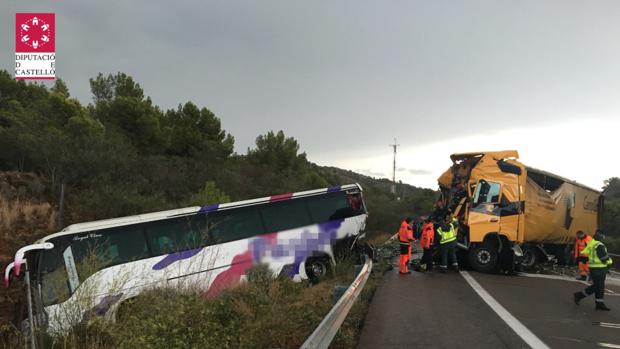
(346, 77)
(413, 171)
(371, 173)
(419, 172)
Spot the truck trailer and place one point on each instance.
(514, 215)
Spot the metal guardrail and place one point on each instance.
(323, 335)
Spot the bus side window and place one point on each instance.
(172, 235)
(230, 225)
(285, 215)
(96, 250)
(333, 206)
(356, 203)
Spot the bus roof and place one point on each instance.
(154, 216)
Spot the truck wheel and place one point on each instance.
(531, 258)
(483, 258)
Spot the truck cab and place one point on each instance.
(484, 191)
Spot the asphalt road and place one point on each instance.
(433, 310)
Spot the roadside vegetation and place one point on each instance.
(611, 215)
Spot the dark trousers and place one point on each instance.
(448, 251)
(598, 276)
(427, 258)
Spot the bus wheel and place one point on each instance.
(317, 268)
(531, 258)
(483, 257)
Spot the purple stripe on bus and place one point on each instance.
(174, 257)
(102, 307)
(333, 189)
(209, 208)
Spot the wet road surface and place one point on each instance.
(434, 310)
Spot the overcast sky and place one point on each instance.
(346, 77)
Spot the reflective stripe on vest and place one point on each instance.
(593, 259)
(447, 236)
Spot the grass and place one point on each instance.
(378, 238)
(18, 214)
(21, 222)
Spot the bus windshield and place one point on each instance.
(53, 277)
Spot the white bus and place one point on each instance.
(89, 268)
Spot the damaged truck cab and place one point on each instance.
(508, 210)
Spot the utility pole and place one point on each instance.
(395, 145)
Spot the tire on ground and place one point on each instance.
(531, 257)
(483, 257)
(317, 268)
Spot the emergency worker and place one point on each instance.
(599, 261)
(581, 241)
(447, 243)
(426, 243)
(405, 236)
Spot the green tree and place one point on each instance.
(611, 210)
(209, 194)
(611, 188)
(61, 88)
(107, 88)
(119, 102)
(277, 151)
(197, 133)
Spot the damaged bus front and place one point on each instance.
(507, 209)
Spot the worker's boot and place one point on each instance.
(578, 296)
(601, 306)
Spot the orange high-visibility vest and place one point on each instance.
(428, 235)
(405, 233)
(580, 245)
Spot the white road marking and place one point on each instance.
(528, 336)
(566, 278)
(608, 345)
(608, 325)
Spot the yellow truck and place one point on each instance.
(513, 214)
